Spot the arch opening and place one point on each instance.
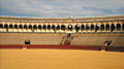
(1, 25)
(10, 26)
(102, 27)
(39, 27)
(48, 27)
(70, 27)
(44, 27)
(82, 27)
(87, 27)
(53, 27)
(63, 27)
(107, 27)
(15, 26)
(58, 27)
(6, 27)
(30, 26)
(35, 27)
(20, 27)
(118, 27)
(77, 28)
(92, 27)
(112, 27)
(25, 27)
(96, 28)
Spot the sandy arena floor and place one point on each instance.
(59, 59)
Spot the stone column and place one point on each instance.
(85, 27)
(121, 27)
(90, 28)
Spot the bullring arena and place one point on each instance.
(62, 43)
(95, 33)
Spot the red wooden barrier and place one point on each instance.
(98, 48)
(11, 46)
